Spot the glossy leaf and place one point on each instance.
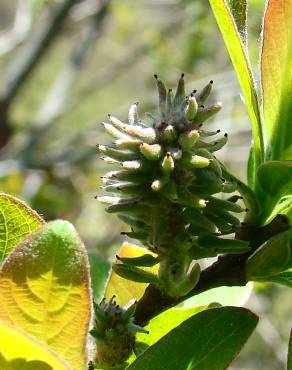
(284, 278)
(289, 359)
(274, 181)
(99, 272)
(270, 259)
(20, 351)
(165, 322)
(17, 220)
(124, 289)
(226, 296)
(209, 340)
(276, 75)
(241, 64)
(44, 290)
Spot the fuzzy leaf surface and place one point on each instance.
(239, 12)
(209, 340)
(17, 220)
(276, 75)
(239, 57)
(20, 351)
(44, 289)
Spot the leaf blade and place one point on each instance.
(191, 345)
(240, 61)
(18, 349)
(16, 221)
(239, 11)
(283, 278)
(276, 77)
(44, 289)
(99, 272)
(273, 182)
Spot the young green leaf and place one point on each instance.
(283, 278)
(273, 181)
(209, 340)
(238, 54)
(251, 172)
(44, 290)
(270, 259)
(239, 12)
(17, 220)
(276, 75)
(21, 351)
(99, 273)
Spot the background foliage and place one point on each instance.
(65, 64)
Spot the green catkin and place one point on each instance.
(114, 333)
(167, 188)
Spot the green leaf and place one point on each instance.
(226, 296)
(17, 220)
(289, 360)
(276, 76)
(209, 340)
(44, 290)
(99, 273)
(166, 321)
(284, 278)
(270, 259)
(241, 64)
(239, 12)
(22, 352)
(251, 171)
(273, 181)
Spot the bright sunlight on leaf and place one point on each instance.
(124, 289)
(16, 221)
(44, 289)
(241, 64)
(19, 351)
(276, 71)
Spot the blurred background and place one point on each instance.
(66, 64)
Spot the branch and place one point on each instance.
(228, 270)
